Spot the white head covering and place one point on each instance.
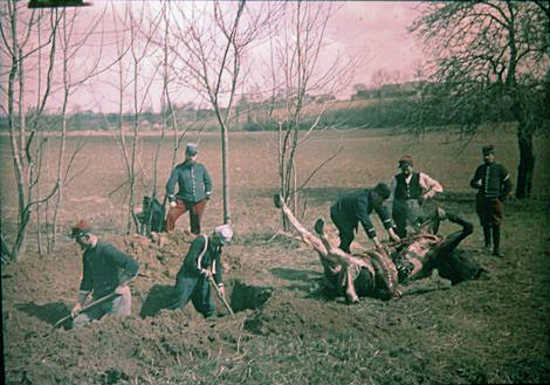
(224, 232)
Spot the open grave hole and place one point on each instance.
(240, 296)
(245, 296)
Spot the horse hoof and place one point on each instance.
(319, 226)
(277, 201)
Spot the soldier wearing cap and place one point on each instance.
(493, 185)
(356, 207)
(195, 188)
(202, 259)
(409, 190)
(105, 270)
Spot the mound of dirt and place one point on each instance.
(38, 290)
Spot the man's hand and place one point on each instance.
(172, 204)
(121, 289)
(76, 310)
(377, 243)
(207, 273)
(221, 289)
(393, 235)
(397, 294)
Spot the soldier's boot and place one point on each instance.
(487, 238)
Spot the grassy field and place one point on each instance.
(286, 330)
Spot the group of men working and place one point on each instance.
(107, 271)
(407, 192)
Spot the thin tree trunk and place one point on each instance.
(526, 165)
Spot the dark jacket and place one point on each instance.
(492, 181)
(356, 207)
(104, 268)
(212, 257)
(193, 181)
(404, 191)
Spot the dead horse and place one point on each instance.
(380, 273)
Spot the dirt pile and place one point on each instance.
(38, 291)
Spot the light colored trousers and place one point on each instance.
(120, 306)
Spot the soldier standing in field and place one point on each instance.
(202, 260)
(492, 181)
(195, 188)
(409, 190)
(356, 207)
(106, 270)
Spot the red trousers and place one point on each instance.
(195, 214)
(489, 211)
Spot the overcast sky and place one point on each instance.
(375, 30)
(380, 29)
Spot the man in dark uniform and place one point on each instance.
(409, 190)
(492, 181)
(105, 270)
(195, 188)
(356, 207)
(202, 260)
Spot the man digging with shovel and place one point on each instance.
(106, 273)
(201, 268)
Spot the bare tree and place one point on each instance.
(298, 73)
(131, 75)
(210, 49)
(17, 27)
(488, 53)
(379, 78)
(71, 59)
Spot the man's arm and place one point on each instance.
(207, 182)
(84, 289)
(364, 217)
(128, 264)
(218, 269)
(191, 261)
(506, 184)
(86, 283)
(386, 221)
(171, 185)
(429, 186)
(476, 180)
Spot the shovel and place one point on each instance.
(90, 305)
(220, 296)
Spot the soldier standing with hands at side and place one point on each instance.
(493, 185)
(195, 188)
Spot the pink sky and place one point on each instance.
(376, 30)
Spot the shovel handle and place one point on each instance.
(220, 296)
(92, 304)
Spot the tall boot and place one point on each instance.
(496, 241)
(487, 236)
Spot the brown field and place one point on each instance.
(285, 329)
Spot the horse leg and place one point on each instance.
(307, 237)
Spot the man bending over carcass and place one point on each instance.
(379, 272)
